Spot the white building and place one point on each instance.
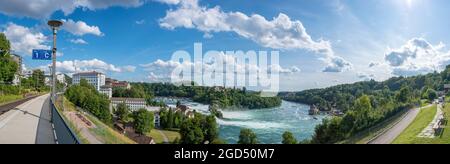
(106, 90)
(133, 104)
(95, 79)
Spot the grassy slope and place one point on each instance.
(102, 132)
(409, 136)
(444, 138)
(4, 99)
(365, 136)
(171, 135)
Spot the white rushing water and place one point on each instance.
(268, 124)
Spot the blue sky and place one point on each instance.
(356, 40)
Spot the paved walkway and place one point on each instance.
(428, 132)
(28, 123)
(392, 133)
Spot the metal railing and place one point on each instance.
(63, 133)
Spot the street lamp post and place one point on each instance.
(54, 24)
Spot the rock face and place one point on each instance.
(313, 110)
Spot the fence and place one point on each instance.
(63, 134)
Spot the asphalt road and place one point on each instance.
(28, 123)
(390, 135)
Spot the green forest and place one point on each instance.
(223, 97)
(367, 103)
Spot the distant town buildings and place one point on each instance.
(446, 88)
(117, 84)
(106, 90)
(313, 110)
(185, 110)
(133, 104)
(94, 78)
(18, 59)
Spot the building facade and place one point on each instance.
(18, 59)
(106, 90)
(95, 79)
(133, 104)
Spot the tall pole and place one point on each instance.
(54, 64)
(54, 24)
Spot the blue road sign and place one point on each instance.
(42, 54)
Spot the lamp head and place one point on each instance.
(55, 23)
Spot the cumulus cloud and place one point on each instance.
(162, 70)
(337, 64)
(373, 64)
(279, 33)
(417, 56)
(24, 39)
(365, 76)
(80, 28)
(45, 8)
(129, 68)
(73, 66)
(78, 41)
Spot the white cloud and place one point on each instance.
(279, 33)
(417, 56)
(365, 76)
(163, 69)
(80, 28)
(72, 66)
(45, 8)
(78, 41)
(336, 64)
(140, 22)
(373, 64)
(24, 39)
(129, 68)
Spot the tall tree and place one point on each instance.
(143, 121)
(38, 79)
(122, 112)
(288, 138)
(7, 66)
(5, 45)
(210, 126)
(247, 136)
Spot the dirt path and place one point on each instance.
(166, 140)
(83, 127)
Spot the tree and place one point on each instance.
(7, 66)
(8, 69)
(404, 95)
(247, 136)
(5, 45)
(210, 127)
(122, 112)
(191, 133)
(431, 94)
(288, 138)
(38, 79)
(143, 121)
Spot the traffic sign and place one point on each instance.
(42, 54)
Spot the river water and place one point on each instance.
(268, 124)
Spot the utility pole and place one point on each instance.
(54, 24)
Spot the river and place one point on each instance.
(268, 124)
